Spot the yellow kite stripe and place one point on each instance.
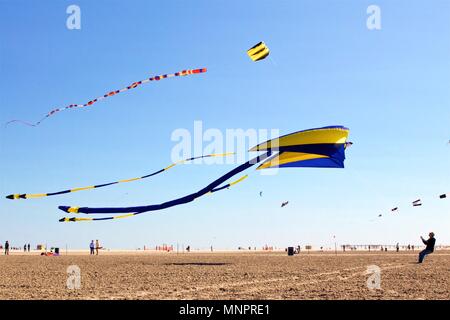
(315, 136)
(81, 189)
(129, 180)
(239, 180)
(124, 216)
(73, 209)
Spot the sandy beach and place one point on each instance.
(225, 275)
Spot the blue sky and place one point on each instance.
(389, 86)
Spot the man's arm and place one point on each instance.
(425, 242)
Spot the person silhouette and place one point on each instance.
(7, 248)
(92, 247)
(429, 246)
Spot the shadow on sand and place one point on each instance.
(198, 264)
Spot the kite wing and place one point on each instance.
(258, 52)
(314, 148)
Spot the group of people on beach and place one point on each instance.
(94, 247)
(7, 248)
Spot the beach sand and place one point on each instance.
(225, 275)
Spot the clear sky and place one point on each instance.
(389, 86)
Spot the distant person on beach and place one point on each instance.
(397, 247)
(29, 246)
(92, 246)
(188, 248)
(6, 248)
(429, 246)
(24, 248)
(97, 247)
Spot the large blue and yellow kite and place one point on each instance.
(314, 148)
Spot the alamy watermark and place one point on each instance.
(374, 280)
(74, 279)
(198, 142)
(374, 19)
(73, 21)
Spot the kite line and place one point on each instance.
(112, 93)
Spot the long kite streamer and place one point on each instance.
(75, 210)
(40, 195)
(112, 93)
(319, 148)
(212, 187)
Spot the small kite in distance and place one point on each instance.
(260, 193)
(394, 209)
(417, 203)
(380, 215)
(284, 204)
(258, 52)
(443, 196)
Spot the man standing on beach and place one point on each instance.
(29, 247)
(6, 248)
(97, 247)
(429, 247)
(92, 246)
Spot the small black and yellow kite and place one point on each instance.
(258, 52)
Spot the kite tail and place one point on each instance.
(183, 200)
(22, 122)
(75, 210)
(114, 92)
(41, 195)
